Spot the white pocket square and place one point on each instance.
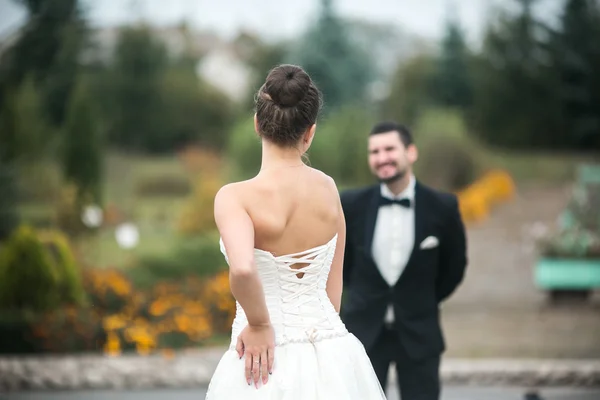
(429, 243)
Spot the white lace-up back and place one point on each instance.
(297, 300)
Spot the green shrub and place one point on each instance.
(198, 256)
(580, 237)
(448, 158)
(16, 333)
(196, 217)
(446, 165)
(70, 280)
(28, 277)
(244, 150)
(68, 330)
(340, 146)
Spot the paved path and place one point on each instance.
(450, 393)
(498, 311)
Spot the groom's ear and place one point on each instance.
(412, 153)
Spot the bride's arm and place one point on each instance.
(237, 231)
(335, 279)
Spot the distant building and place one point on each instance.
(223, 68)
(220, 62)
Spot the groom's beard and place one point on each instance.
(400, 174)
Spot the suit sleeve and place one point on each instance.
(348, 253)
(453, 248)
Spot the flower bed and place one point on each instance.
(119, 318)
(476, 200)
(569, 259)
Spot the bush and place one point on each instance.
(340, 146)
(580, 238)
(197, 216)
(477, 199)
(244, 150)
(68, 330)
(446, 165)
(70, 281)
(193, 257)
(572, 243)
(448, 158)
(16, 333)
(109, 290)
(28, 276)
(167, 314)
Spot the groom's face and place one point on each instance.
(389, 159)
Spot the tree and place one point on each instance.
(193, 112)
(47, 49)
(9, 218)
(340, 68)
(515, 102)
(411, 90)
(577, 59)
(260, 57)
(139, 66)
(453, 81)
(25, 133)
(83, 146)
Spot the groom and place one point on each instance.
(405, 254)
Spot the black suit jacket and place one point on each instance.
(429, 277)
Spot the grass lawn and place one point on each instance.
(155, 216)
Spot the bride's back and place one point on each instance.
(293, 208)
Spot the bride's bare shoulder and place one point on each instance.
(232, 191)
(324, 179)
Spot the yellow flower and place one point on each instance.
(159, 307)
(112, 346)
(113, 322)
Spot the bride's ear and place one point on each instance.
(309, 135)
(256, 125)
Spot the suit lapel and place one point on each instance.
(371, 219)
(420, 216)
(419, 228)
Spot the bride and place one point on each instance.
(283, 235)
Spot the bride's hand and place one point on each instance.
(257, 343)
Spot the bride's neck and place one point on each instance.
(276, 157)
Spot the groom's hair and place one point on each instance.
(390, 126)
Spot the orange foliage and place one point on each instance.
(476, 200)
(123, 319)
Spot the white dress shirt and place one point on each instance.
(393, 238)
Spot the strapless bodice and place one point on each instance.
(299, 307)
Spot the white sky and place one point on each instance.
(281, 18)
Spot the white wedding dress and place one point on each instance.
(315, 356)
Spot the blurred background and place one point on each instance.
(119, 121)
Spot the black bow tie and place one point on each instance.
(384, 201)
